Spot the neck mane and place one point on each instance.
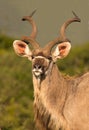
(50, 96)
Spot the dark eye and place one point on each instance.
(33, 57)
(50, 58)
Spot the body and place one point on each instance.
(60, 103)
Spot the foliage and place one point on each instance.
(5, 42)
(16, 93)
(16, 89)
(77, 61)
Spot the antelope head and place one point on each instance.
(43, 58)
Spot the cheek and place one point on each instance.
(46, 65)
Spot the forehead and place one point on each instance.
(40, 52)
(40, 60)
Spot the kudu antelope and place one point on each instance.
(60, 103)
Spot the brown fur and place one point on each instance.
(62, 104)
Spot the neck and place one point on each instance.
(50, 97)
(52, 87)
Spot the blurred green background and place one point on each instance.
(16, 88)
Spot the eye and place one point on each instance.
(50, 58)
(33, 57)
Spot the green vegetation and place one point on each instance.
(77, 62)
(16, 89)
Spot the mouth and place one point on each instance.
(37, 73)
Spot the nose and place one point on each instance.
(37, 66)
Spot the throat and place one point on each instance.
(38, 78)
(46, 101)
(51, 86)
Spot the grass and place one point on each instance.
(16, 93)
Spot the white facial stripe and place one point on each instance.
(40, 57)
(37, 72)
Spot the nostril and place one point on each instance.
(37, 66)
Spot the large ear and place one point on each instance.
(61, 50)
(22, 49)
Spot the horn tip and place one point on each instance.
(33, 13)
(78, 19)
(27, 17)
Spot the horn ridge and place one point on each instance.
(31, 39)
